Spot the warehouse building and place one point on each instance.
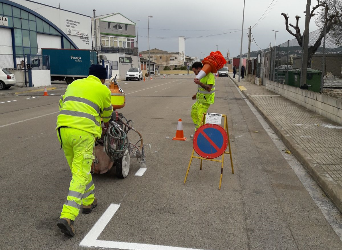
(27, 26)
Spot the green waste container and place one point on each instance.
(293, 78)
(313, 79)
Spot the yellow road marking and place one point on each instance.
(36, 90)
(242, 88)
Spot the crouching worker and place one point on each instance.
(82, 106)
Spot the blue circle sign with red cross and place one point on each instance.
(210, 141)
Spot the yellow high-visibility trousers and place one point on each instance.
(197, 111)
(78, 148)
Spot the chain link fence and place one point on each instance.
(283, 64)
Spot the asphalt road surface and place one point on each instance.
(264, 205)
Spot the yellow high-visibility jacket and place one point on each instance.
(204, 96)
(83, 105)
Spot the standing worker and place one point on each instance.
(243, 71)
(204, 97)
(82, 106)
(234, 71)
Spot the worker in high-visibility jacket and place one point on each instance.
(82, 106)
(204, 97)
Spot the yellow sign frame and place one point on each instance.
(225, 126)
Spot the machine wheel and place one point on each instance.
(122, 165)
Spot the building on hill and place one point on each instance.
(164, 58)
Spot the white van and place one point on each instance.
(223, 72)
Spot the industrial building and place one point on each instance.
(28, 26)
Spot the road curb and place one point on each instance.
(327, 184)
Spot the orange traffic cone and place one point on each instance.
(144, 79)
(179, 134)
(45, 92)
(151, 78)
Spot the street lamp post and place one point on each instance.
(275, 52)
(243, 21)
(148, 38)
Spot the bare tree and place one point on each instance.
(331, 21)
(334, 8)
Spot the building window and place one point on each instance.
(40, 25)
(33, 25)
(26, 38)
(126, 26)
(105, 41)
(115, 65)
(119, 27)
(17, 23)
(108, 25)
(16, 12)
(130, 42)
(24, 14)
(24, 24)
(122, 42)
(7, 10)
(46, 28)
(18, 37)
(33, 39)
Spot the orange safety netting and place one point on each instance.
(215, 60)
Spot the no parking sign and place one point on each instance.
(210, 141)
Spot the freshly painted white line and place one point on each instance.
(8, 101)
(90, 240)
(264, 95)
(2, 102)
(28, 98)
(330, 212)
(14, 100)
(33, 97)
(140, 172)
(6, 125)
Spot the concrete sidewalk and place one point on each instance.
(314, 140)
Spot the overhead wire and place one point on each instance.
(266, 12)
(255, 41)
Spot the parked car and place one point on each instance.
(7, 79)
(223, 72)
(134, 73)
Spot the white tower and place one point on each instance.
(182, 48)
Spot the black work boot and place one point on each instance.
(66, 226)
(88, 209)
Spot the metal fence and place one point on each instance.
(35, 62)
(326, 61)
(38, 62)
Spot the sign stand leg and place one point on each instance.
(201, 164)
(187, 172)
(230, 150)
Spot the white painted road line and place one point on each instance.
(6, 125)
(90, 240)
(140, 172)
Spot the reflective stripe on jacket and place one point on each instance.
(83, 105)
(204, 96)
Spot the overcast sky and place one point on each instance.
(197, 19)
